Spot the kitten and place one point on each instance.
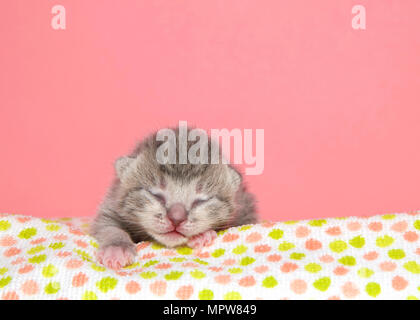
(174, 204)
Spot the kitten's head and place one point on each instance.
(173, 202)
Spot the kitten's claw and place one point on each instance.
(203, 239)
(116, 257)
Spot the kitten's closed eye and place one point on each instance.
(199, 201)
(158, 196)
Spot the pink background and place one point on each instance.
(340, 107)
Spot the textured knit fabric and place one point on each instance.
(376, 257)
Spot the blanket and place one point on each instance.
(375, 257)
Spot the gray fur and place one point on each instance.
(130, 213)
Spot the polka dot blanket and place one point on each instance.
(374, 257)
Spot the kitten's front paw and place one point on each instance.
(116, 257)
(202, 239)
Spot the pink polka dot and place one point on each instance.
(371, 255)
(399, 283)
(333, 231)
(230, 237)
(247, 281)
(350, 290)
(132, 287)
(411, 236)
(302, 232)
(399, 226)
(184, 292)
(262, 248)
(222, 279)
(216, 269)
(375, 226)
(11, 295)
(298, 286)
(274, 258)
(261, 269)
(149, 255)
(24, 219)
(74, 264)
(158, 288)
(27, 268)
(163, 266)
(7, 241)
(30, 287)
(18, 261)
(203, 255)
(60, 237)
(334, 298)
(168, 253)
(387, 266)
(288, 267)
(142, 245)
(229, 262)
(253, 237)
(38, 241)
(313, 244)
(341, 271)
(79, 280)
(63, 254)
(81, 243)
(354, 226)
(326, 258)
(11, 252)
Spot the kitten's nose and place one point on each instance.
(177, 213)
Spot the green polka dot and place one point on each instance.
(5, 281)
(412, 298)
(338, 246)
(373, 289)
(83, 254)
(348, 261)
(291, 222)
(106, 284)
(36, 249)
(317, 223)
(232, 295)
(157, 246)
(365, 272)
(322, 284)
(220, 232)
(240, 249)
(197, 274)
(313, 267)
(206, 294)
(417, 224)
(133, 265)
(38, 259)
(52, 287)
(184, 250)
(269, 282)
(297, 256)
(94, 244)
(396, 254)
(284, 246)
(218, 253)
(384, 241)
(4, 225)
(49, 271)
(246, 261)
(89, 295)
(174, 275)
(177, 259)
(53, 227)
(201, 261)
(148, 274)
(56, 245)
(150, 263)
(95, 267)
(243, 228)
(27, 233)
(357, 242)
(3, 271)
(412, 266)
(388, 216)
(276, 234)
(235, 270)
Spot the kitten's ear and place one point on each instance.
(122, 164)
(235, 178)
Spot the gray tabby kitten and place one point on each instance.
(174, 204)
